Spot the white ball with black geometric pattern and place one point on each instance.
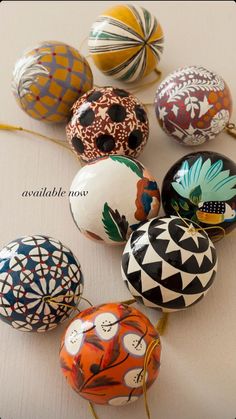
(169, 263)
(40, 283)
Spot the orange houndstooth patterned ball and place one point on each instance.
(48, 79)
(103, 353)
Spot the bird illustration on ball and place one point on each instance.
(215, 212)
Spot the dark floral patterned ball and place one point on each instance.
(193, 105)
(38, 275)
(103, 352)
(107, 121)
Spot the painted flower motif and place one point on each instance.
(17, 262)
(219, 121)
(32, 318)
(106, 325)
(18, 291)
(20, 325)
(58, 245)
(73, 272)
(5, 307)
(39, 254)
(162, 112)
(134, 344)
(55, 272)
(75, 335)
(195, 139)
(42, 269)
(7, 251)
(192, 105)
(35, 276)
(66, 283)
(204, 181)
(46, 327)
(5, 282)
(33, 240)
(122, 400)
(50, 318)
(60, 258)
(39, 294)
(19, 307)
(27, 276)
(134, 378)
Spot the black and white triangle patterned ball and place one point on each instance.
(169, 264)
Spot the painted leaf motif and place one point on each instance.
(194, 219)
(180, 189)
(183, 174)
(115, 225)
(125, 310)
(112, 352)
(26, 70)
(183, 204)
(174, 205)
(134, 166)
(216, 184)
(133, 324)
(196, 195)
(78, 375)
(102, 381)
(195, 170)
(88, 311)
(214, 170)
(95, 341)
(64, 365)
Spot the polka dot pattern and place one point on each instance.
(107, 121)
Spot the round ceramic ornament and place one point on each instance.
(111, 196)
(169, 264)
(103, 352)
(48, 79)
(107, 121)
(38, 274)
(193, 105)
(201, 186)
(126, 42)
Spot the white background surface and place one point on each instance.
(198, 372)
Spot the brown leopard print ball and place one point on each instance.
(107, 121)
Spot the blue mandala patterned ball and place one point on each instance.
(40, 283)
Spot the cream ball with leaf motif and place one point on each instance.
(111, 196)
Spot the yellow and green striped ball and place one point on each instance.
(126, 42)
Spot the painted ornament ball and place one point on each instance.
(169, 264)
(38, 274)
(107, 121)
(201, 186)
(193, 105)
(48, 79)
(111, 196)
(103, 352)
(126, 42)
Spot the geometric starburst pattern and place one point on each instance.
(169, 264)
(38, 275)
